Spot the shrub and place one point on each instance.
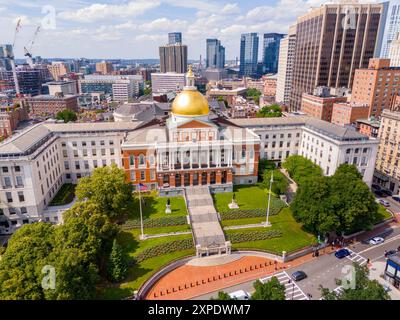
(155, 223)
(249, 236)
(251, 213)
(168, 247)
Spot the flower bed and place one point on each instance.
(250, 213)
(155, 223)
(169, 247)
(248, 236)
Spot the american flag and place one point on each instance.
(142, 187)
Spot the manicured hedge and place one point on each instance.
(250, 213)
(248, 236)
(169, 247)
(155, 223)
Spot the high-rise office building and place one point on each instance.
(331, 43)
(392, 27)
(215, 54)
(248, 54)
(271, 45)
(6, 51)
(58, 69)
(174, 37)
(104, 67)
(394, 52)
(285, 66)
(173, 57)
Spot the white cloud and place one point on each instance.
(164, 24)
(99, 11)
(150, 37)
(231, 8)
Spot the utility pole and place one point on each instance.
(267, 223)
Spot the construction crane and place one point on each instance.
(28, 53)
(10, 55)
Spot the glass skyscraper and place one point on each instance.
(271, 51)
(215, 54)
(248, 54)
(174, 37)
(392, 27)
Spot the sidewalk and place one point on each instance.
(190, 281)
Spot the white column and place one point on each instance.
(191, 158)
(181, 158)
(208, 157)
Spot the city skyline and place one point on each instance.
(135, 29)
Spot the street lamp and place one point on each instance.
(267, 223)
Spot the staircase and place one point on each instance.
(207, 232)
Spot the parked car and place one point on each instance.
(240, 295)
(387, 192)
(376, 240)
(384, 203)
(298, 275)
(376, 186)
(390, 253)
(379, 193)
(396, 198)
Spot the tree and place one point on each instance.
(67, 115)
(280, 184)
(272, 111)
(365, 289)
(265, 164)
(271, 290)
(117, 266)
(222, 296)
(300, 168)
(107, 187)
(254, 94)
(21, 265)
(341, 203)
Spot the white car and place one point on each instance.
(376, 240)
(384, 203)
(240, 295)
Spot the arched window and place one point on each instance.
(131, 160)
(141, 160)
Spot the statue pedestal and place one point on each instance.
(168, 209)
(233, 205)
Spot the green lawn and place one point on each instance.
(293, 237)
(65, 195)
(242, 222)
(383, 214)
(247, 197)
(154, 207)
(138, 274)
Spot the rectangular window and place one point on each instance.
(133, 175)
(20, 182)
(9, 197)
(94, 163)
(7, 182)
(66, 165)
(4, 169)
(93, 152)
(103, 152)
(84, 152)
(104, 162)
(86, 164)
(102, 142)
(17, 169)
(77, 165)
(142, 175)
(23, 210)
(21, 196)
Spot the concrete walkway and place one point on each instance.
(206, 228)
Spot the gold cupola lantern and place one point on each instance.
(190, 102)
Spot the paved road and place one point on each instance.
(326, 268)
(394, 205)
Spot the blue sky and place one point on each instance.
(135, 28)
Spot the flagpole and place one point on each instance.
(269, 198)
(141, 214)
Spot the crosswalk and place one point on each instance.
(355, 257)
(337, 290)
(292, 290)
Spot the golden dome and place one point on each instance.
(190, 103)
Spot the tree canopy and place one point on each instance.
(270, 290)
(301, 169)
(67, 115)
(365, 289)
(254, 94)
(107, 187)
(76, 250)
(341, 203)
(280, 182)
(222, 296)
(272, 111)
